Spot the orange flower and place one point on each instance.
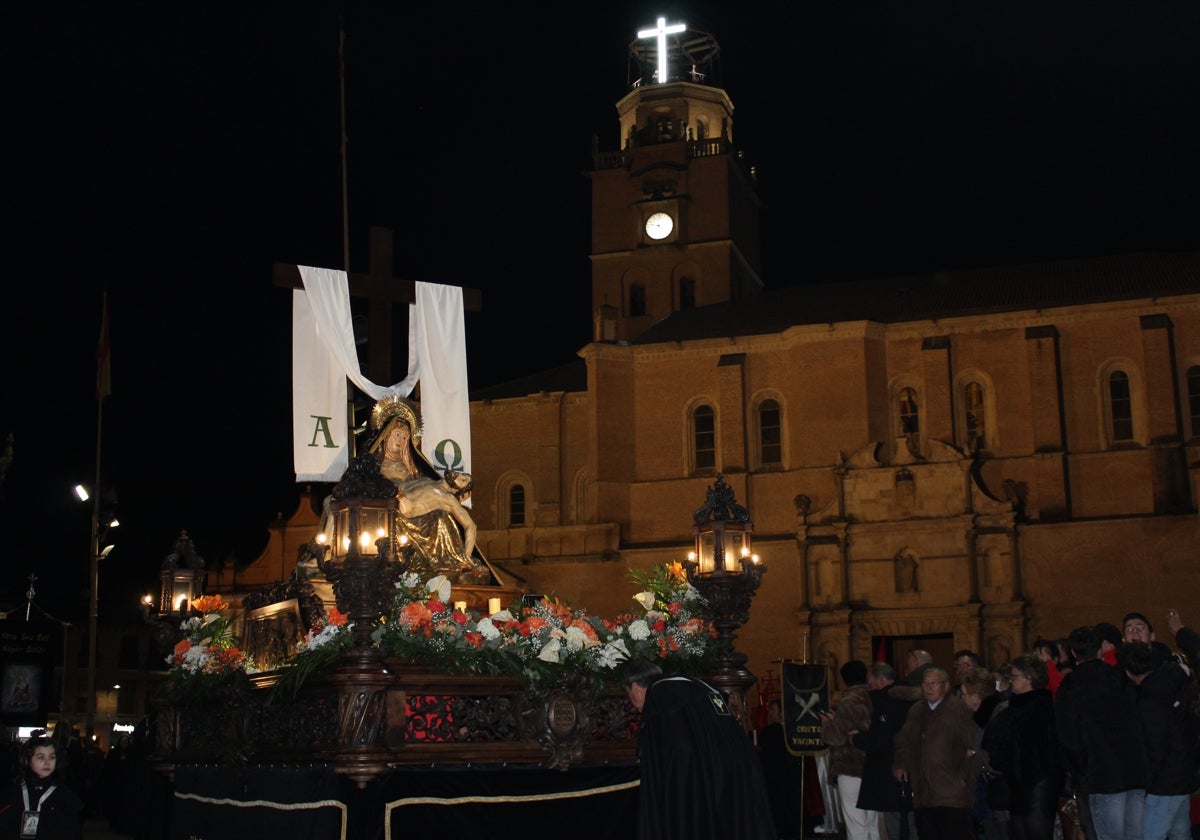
(676, 571)
(558, 608)
(209, 604)
(533, 624)
(336, 617)
(415, 615)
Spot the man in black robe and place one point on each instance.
(701, 778)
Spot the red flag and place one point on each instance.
(103, 356)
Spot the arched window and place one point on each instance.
(704, 439)
(907, 412)
(1193, 392)
(516, 506)
(974, 417)
(770, 435)
(687, 293)
(1120, 406)
(637, 300)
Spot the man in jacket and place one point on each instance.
(1096, 717)
(935, 753)
(880, 791)
(1169, 733)
(846, 760)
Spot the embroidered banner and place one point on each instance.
(805, 693)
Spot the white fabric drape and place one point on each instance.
(437, 358)
(318, 401)
(440, 350)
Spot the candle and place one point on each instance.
(461, 606)
(493, 606)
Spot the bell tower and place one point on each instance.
(675, 212)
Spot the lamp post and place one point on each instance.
(727, 573)
(100, 527)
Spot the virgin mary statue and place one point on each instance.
(440, 530)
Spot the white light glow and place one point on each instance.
(661, 31)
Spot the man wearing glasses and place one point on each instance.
(935, 753)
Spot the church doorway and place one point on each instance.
(894, 650)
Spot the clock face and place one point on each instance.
(659, 226)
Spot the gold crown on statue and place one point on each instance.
(391, 407)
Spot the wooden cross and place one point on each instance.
(381, 291)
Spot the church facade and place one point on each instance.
(965, 460)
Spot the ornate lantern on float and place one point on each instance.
(183, 578)
(358, 550)
(725, 570)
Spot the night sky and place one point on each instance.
(174, 157)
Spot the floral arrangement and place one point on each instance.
(548, 638)
(207, 657)
(319, 648)
(536, 642)
(672, 630)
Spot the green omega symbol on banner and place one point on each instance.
(439, 455)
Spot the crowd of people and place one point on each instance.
(1095, 736)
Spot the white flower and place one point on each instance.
(409, 580)
(441, 586)
(639, 630)
(196, 658)
(577, 639)
(646, 599)
(691, 593)
(326, 635)
(550, 650)
(503, 615)
(612, 654)
(487, 629)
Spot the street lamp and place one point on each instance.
(727, 573)
(101, 524)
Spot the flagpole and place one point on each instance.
(345, 187)
(94, 576)
(350, 419)
(103, 386)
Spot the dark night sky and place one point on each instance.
(174, 157)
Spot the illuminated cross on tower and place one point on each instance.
(661, 31)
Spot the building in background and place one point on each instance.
(962, 460)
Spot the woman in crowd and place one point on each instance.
(1022, 744)
(979, 692)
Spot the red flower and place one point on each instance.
(474, 639)
(435, 606)
(658, 626)
(460, 618)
